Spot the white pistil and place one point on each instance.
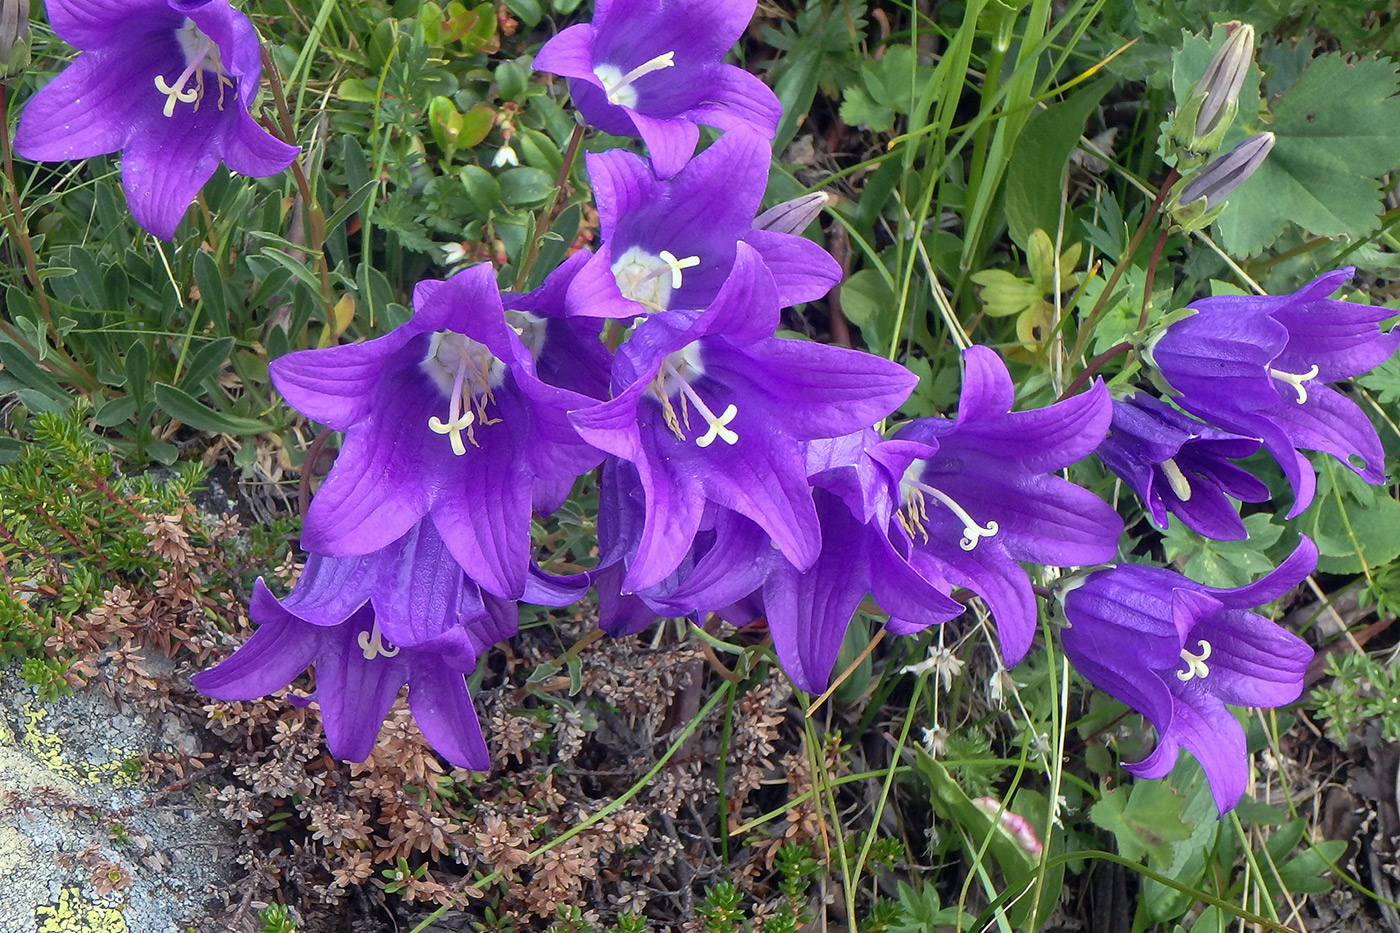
(676, 265)
(719, 424)
(972, 532)
(199, 51)
(1177, 480)
(461, 357)
(1195, 663)
(1296, 380)
(457, 420)
(618, 86)
(674, 376)
(372, 644)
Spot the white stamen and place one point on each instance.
(372, 644)
(1296, 380)
(1195, 663)
(1177, 480)
(676, 265)
(618, 86)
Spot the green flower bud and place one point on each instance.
(1198, 199)
(14, 38)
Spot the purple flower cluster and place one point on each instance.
(740, 473)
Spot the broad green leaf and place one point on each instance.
(1144, 819)
(1033, 188)
(525, 186)
(1223, 563)
(1337, 130)
(1351, 523)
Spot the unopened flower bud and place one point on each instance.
(1199, 199)
(792, 216)
(14, 38)
(1211, 106)
(1223, 80)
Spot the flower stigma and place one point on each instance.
(1176, 479)
(675, 375)
(201, 55)
(467, 373)
(649, 279)
(1195, 663)
(1296, 380)
(618, 86)
(372, 644)
(915, 511)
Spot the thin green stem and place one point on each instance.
(14, 219)
(546, 218)
(315, 218)
(1102, 304)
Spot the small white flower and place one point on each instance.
(505, 156)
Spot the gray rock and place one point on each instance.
(77, 820)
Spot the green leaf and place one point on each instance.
(1040, 157)
(1352, 527)
(482, 188)
(201, 417)
(1223, 563)
(859, 109)
(1145, 820)
(525, 186)
(1337, 130)
(206, 362)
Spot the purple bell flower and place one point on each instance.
(728, 558)
(445, 417)
(1260, 366)
(368, 625)
(710, 410)
(1177, 652)
(1177, 464)
(671, 244)
(166, 82)
(978, 494)
(651, 68)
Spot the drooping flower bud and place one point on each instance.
(792, 216)
(14, 38)
(1198, 199)
(1202, 121)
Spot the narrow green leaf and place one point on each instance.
(191, 411)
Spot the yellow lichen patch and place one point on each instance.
(75, 913)
(47, 748)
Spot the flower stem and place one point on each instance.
(1102, 304)
(1151, 275)
(14, 219)
(1094, 366)
(546, 218)
(304, 483)
(315, 218)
